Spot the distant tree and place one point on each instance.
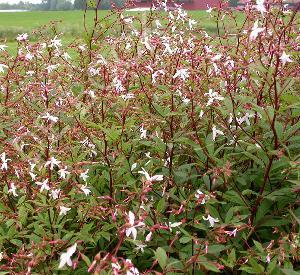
(46, 4)
(53, 4)
(79, 4)
(63, 5)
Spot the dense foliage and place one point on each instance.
(156, 149)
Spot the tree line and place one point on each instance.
(62, 5)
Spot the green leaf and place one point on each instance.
(161, 205)
(185, 239)
(161, 257)
(290, 271)
(85, 259)
(210, 266)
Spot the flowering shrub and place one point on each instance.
(155, 149)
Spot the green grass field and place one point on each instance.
(70, 23)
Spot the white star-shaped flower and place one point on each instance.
(200, 195)
(2, 67)
(63, 210)
(2, 48)
(216, 132)
(260, 6)
(211, 220)
(13, 190)
(22, 37)
(285, 58)
(84, 175)
(182, 73)
(55, 42)
(4, 160)
(231, 233)
(85, 190)
(63, 172)
(55, 194)
(49, 117)
(133, 166)
(65, 258)
(52, 162)
(153, 178)
(255, 31)
(131, 230)
(44, 185)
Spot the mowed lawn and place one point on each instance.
(70, 23)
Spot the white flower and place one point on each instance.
(2, 67)
(153, 178)
(118, 85)
(4, 161)
(82, 47)
(85, 190)
(22, 37)
(131, 230)
(29, 56)
(32, 165)
(146, 43)
(140, 247)
(156, 74)
(173, 225)
(260, 6)
(13, 189)
(115, 266)
(128, 20)
(209, 9)
(55, 42)
(51, 68)
(284, 58)
(148, 237)
(212, 96)
(64, 210)
(182, 73)
(132, 270)
(143, 132)
(128, 96)
(192, 22)
(201, 195)
(84, 175)
(44, 185)
(30, 73)
(216, 57)
(158, 24)
(231, 233)
(211, 220)
(268, 258)
(2, 47)
(66, 56)
(32, 175)
(94, 71)
(255, 31)
(49, 117)
(52, 162)
(1, 256)
(216, 132)
(65, 258)
(63, 172)
(55, 194)
(148, 155)
(133, 166)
